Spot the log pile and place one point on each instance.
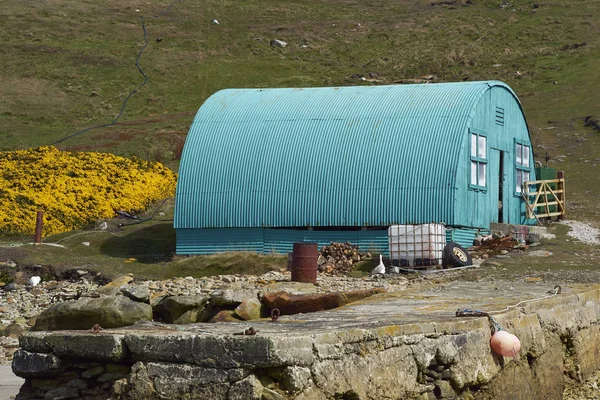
(487, 246)
(339, 258)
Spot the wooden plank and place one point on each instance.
(554, 214)
(534, 193)
(542, 181)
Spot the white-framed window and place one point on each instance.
(478, 161)
(522, 165)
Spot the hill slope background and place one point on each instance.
(68, 65)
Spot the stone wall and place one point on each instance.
(439, 359)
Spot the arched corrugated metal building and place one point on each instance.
(263, 168)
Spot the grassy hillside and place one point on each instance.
(68, 65)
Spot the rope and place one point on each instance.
(493, 323)
(134, 91)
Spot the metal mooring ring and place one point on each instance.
(275, 314)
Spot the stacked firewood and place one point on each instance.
(486, 246)
(338, 258)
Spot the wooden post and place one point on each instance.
(561, 186)
(38, 227)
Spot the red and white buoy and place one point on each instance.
(505, 344)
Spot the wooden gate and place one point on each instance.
(542, 200)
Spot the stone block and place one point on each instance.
(35, 342)
(34, 365)
(87, 346)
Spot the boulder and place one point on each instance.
(14, 330)
(171, 308)
(139, 293)
(225, 316)
(108, 312)
(249, 309)
(232, 298)
(305, 303)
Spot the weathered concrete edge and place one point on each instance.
(270, 350)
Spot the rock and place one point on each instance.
(62, 392)
(93, 372)
(248, 388)
(14, 330)
(278, 43)
(294, 304)
(249, 309)
(225, 316)
(172, 308)
(108, 312)
(295, 379)
(139, 293)
(232, 298)
(270, 394)
(120, 281)
(503, 251)
(444, 390)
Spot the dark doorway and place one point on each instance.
(500, 188)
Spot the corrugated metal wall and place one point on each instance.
(266, 241)
(464, 236)
(349, 156)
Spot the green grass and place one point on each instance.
(147, 250)
(68, 65)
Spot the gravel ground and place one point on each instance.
(583, 232)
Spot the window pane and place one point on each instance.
(519, 181)
(519, 158)
(526, 156)
(473, 145)
(525, 176)
(481, 147)
(481, 168)
(473, 173)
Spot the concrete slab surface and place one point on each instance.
(9, 383)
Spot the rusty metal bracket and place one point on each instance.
(248, 332)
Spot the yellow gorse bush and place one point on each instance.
(75, 189)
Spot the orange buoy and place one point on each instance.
(505, 344)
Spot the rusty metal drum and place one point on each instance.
(304, 262)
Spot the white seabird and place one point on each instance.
(380, 269)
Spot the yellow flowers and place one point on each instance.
(75, 189)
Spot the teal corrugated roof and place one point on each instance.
(346, 156)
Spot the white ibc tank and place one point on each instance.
(417, 245)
